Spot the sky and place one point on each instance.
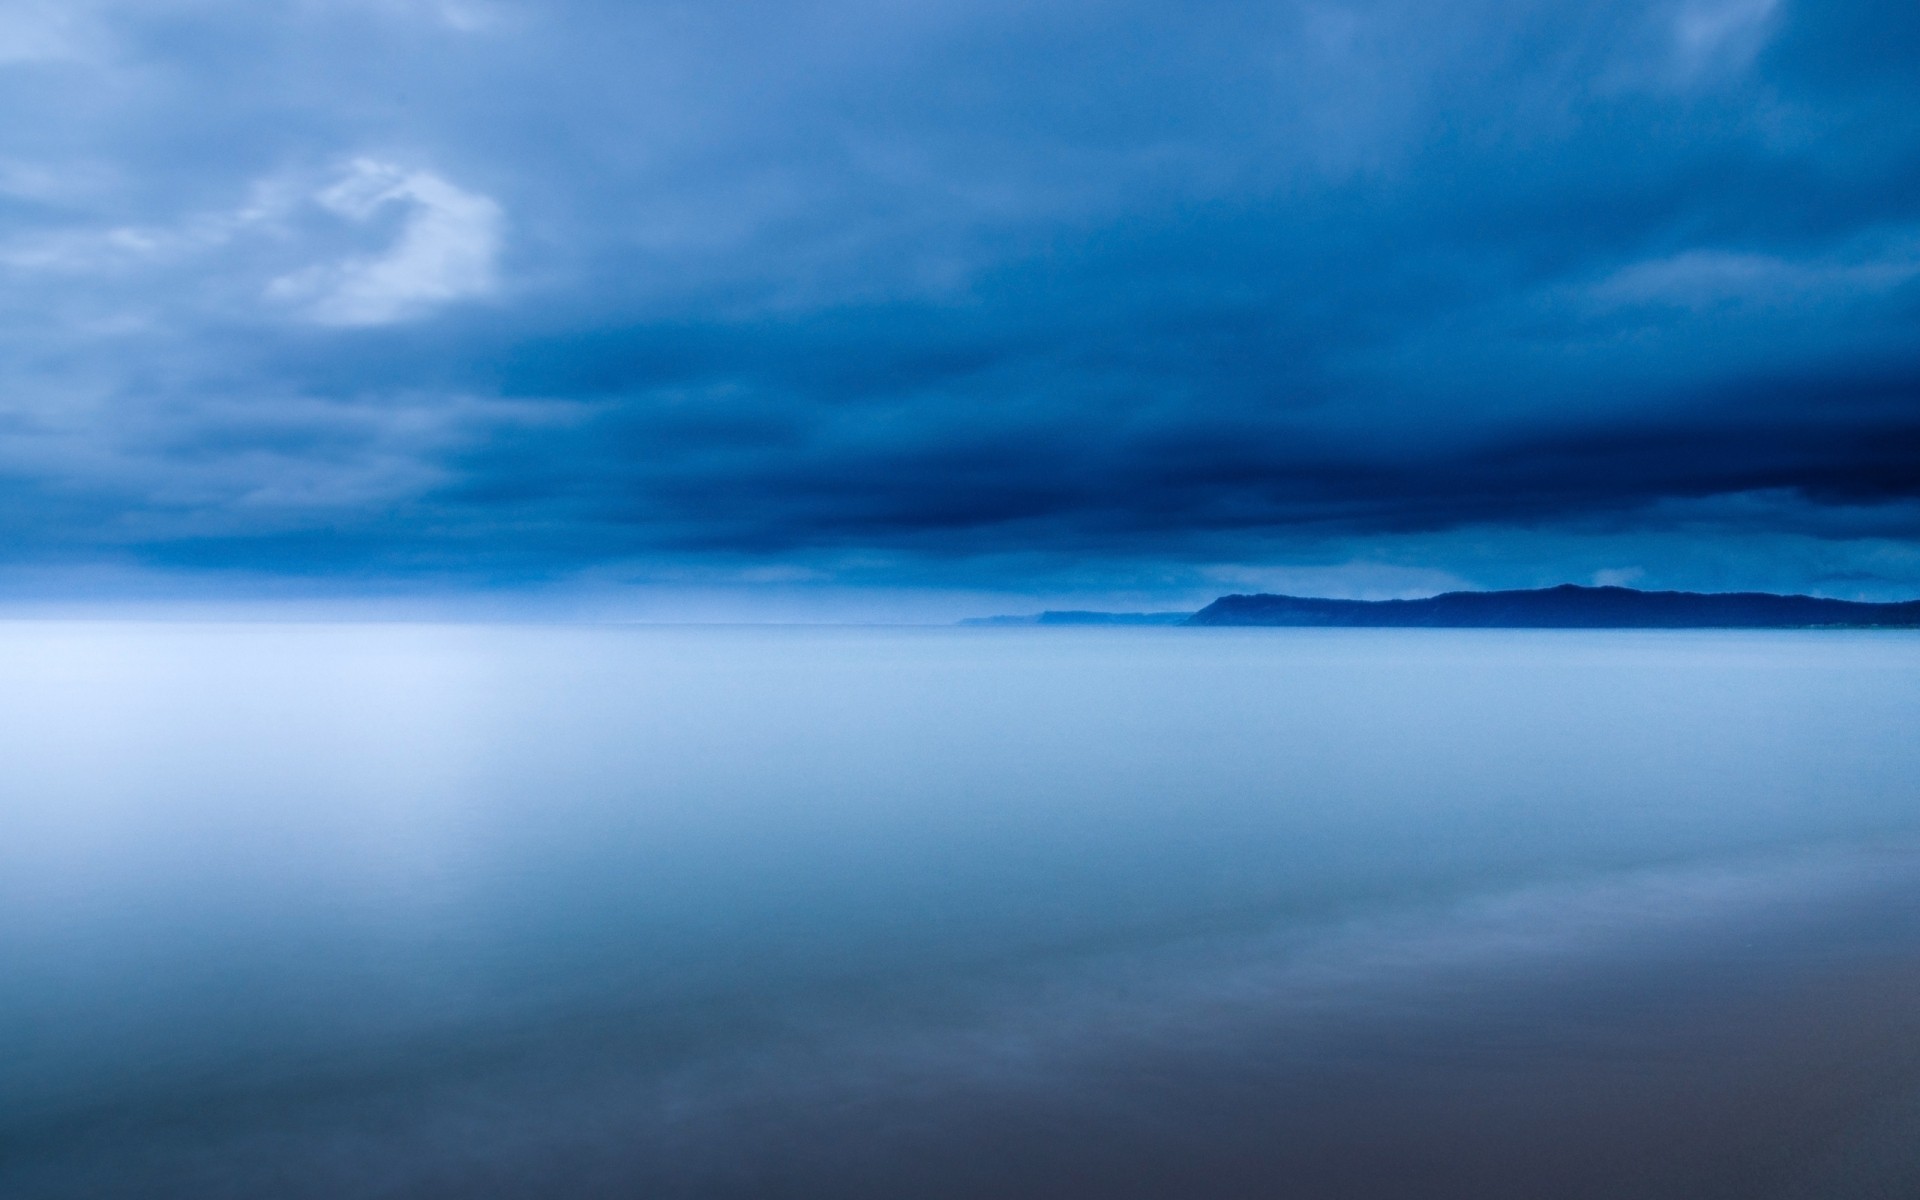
(934, 308)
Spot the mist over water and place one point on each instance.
(399, 911)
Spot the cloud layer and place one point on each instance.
(1096, 296)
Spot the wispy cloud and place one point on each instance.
(46, 31)
(1708, 277)
(1709, 33)
(446, 249)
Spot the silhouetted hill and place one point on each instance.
(1568, 606)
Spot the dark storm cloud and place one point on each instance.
(389, 286)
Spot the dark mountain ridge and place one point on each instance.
(1568, 606)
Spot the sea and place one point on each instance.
(345, 912)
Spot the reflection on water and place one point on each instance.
(421, 911)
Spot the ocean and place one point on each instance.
(390, 910)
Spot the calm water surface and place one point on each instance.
(406, 911)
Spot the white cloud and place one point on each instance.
(121, 248)
(1712, 278)
(446, 250)
(1709, 33)
(443, 247)
(469, 16)
(461, 16)
(43, 183)
(43, 30)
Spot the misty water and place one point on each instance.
(436, 911)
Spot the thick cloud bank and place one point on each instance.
(1092, 295)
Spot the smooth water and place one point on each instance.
(414, 911)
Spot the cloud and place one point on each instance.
(470, 16)
(446, 250)
(1707, 277)
(1711, 32)
(462, 16)
(45, 31)
(893, 293)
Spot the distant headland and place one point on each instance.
(1080, 617)
(1568, 606)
